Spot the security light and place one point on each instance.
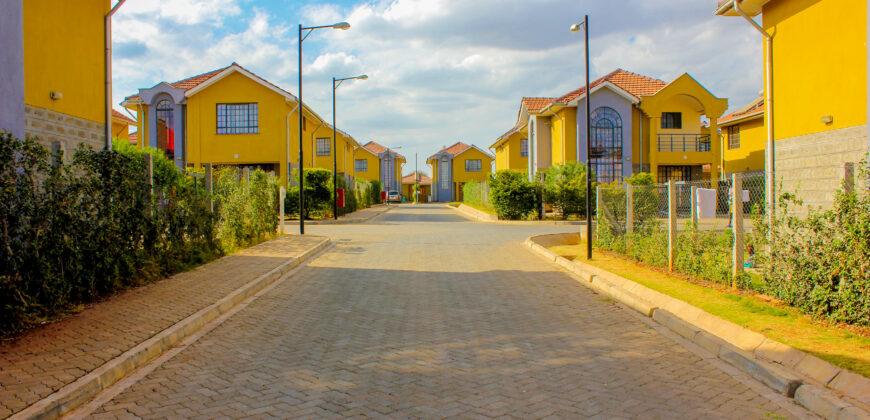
(576, 27)
(341, 25)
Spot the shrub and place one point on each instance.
(375, 188)
(564, 188)
(511, 194)
(474, 193)
(318, 194)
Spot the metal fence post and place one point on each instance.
(694, 208)
(209, 185)
(737, 223)
(597, 213)
(149, 170)
(629, 213)
(672, 223)
(849, 177)
(281, 194)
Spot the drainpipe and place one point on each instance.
(287, 146)
(107, 29)
(768, 106)
(639, 138)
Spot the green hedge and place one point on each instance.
(511, 194)
(474, 193)
(73, 233)
(564, 188)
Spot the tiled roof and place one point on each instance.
(191, 82)
(753, 109)
(635, 84)
(119, 116)
(378, 149)
(536, 104)
(454, 150)
(134, 138)
(423, 179)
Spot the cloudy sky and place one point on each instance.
(439, 70)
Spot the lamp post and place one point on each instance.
(335, 84)
(574, 28)
(340, 25)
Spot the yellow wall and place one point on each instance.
(563, 133)
(120, 130)
(267, 146)
(640, 140)
(63, 52)
(750, 155)
(374, 166)
(820, 64)
(459, 173)
(507, 154)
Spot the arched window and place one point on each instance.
(166, 129)
(606, 144)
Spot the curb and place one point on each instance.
(344, 221)
(780, 367)
(483, 217)
(86, 387)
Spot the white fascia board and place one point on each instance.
(478, 149)
(236, 68)
(619, 91)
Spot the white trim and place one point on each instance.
(478, 149)
(619, 91)
(237, 68)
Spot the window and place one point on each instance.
(606, 145)
(472, 165)
(323, 146)
(361, 165)
(444, 175)
(237, 119)
(524, 148)
(672, 120)
(734, 137)
(166, 128)
(389, 173)
(683, 173)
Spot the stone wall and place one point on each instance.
(813, 165)
(50, 126)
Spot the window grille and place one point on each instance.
(361, 165)
(323, 146)
(524, 148)
(237, 119)
(734, 137)
(472, 165)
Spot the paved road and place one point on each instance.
(423, 314)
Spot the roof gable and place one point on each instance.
(752, 110)
(636, 85)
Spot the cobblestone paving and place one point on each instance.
(45, 359)
(422, 314)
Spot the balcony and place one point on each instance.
(683, 142)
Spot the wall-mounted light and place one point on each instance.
(827, 119)
(55, 95)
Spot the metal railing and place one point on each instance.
(683, 142)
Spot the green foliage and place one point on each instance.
(246, 206)
(166, 174)
(820, 263)
(318, 194)
(565, 188)
(511, 194)
(474, 193)
(375, 188)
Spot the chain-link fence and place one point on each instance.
(691, 227)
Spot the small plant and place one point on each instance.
(564, 188)
(511, 194)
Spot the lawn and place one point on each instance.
(474, 206)
(844, 346)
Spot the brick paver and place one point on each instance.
(45, 359)
(422, 314)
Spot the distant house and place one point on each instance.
(512, 149)
(454, 166)
(121, 126)
(745, 138)
(416, 178)
(134, 138)
(375, 162)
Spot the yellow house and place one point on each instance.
(121, 126)
(232, 117)
(817, 108)
(744, 137)
(454, 166)
(53, 84)
(375, 162)
(638, 124)
(512, 149)
(423, 182)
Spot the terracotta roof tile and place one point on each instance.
(378, 149)
(134, 138)
(635, 84)
(119, 116)
(752, 109)
(409, 179)
(537, 104)
(191, 82)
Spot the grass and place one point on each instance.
(474, 206)
(841, 345)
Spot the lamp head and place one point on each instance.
(363, 77)
(341, 25)
(576, 27)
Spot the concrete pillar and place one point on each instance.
(281, 194)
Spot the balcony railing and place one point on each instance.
(683, 142)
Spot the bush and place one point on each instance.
(318, 194)
(565, 188)
(375, 188)
(821, 263)
(511, 194)
(474, 193)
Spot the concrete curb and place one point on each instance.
(86, 387)
(345, 221)
(483, 217)
(811, 381)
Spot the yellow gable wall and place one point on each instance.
(63, 52)
(374, 168)
(508, 154)
(120, 130)
(750, 155)
(267, 146)
(459, 173)
(820, 64)
(563, 132)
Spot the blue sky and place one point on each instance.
(440, 70)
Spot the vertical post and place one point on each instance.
(589, 221)
(301, 166)
(209, 185)
(281, 194)
(629, 214)
(849, 178)
(672, 224)
(149, 170)
(334, 159)
(737, 223)
(588, 147)
(695, 207)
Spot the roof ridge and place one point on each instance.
(210, 72)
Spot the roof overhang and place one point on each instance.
(478, 149)
(750, 7)
(606, 84)
(743, 118)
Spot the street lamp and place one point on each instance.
(334, 150)
(574, 28)
(340, 25)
